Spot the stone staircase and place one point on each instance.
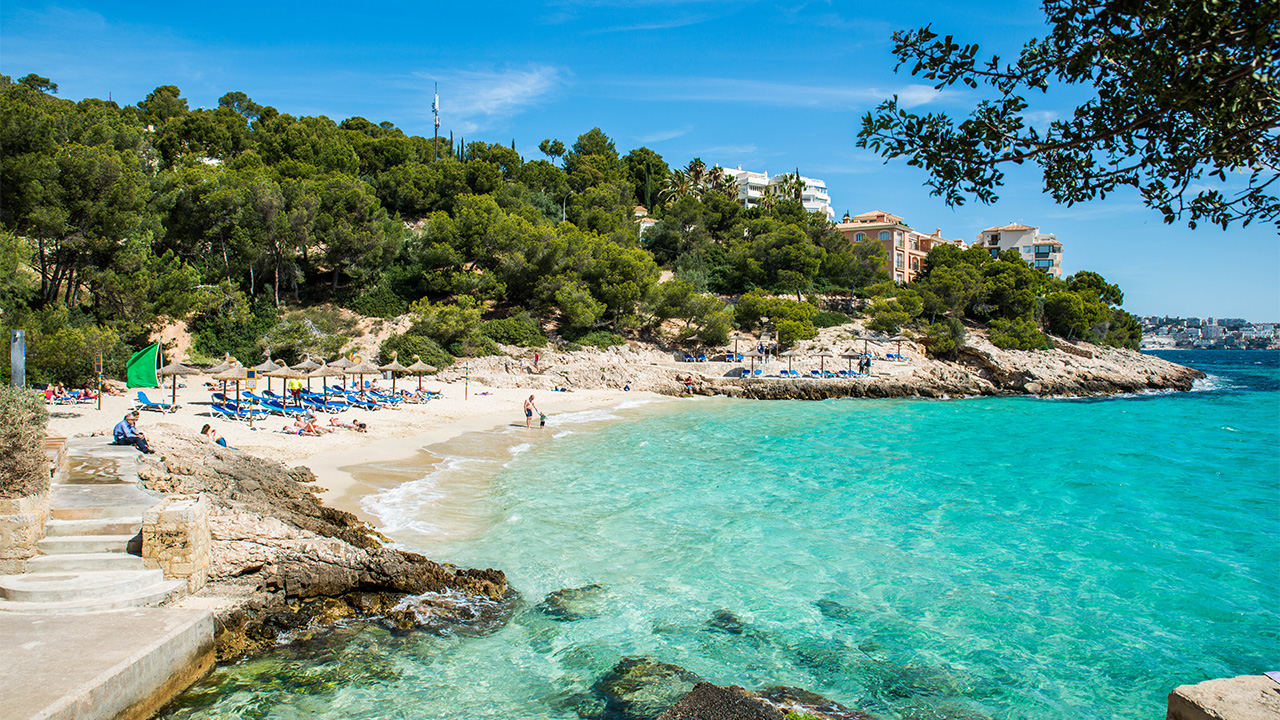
(90, 558)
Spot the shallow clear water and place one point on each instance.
(1006, 558)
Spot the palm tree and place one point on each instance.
(678, 185)
(697, 172)
(723, 183)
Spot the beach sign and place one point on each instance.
(251, 381)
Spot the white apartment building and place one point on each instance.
(1041, 250)
(751, 188)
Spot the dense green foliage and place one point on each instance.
(253, 226)
(1183, 94)
(24, 468)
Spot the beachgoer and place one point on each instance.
(868, 370)
(688, 384)
(542, 420)
(529, 409)
(126, 433)
(537, 356)
(212, 435)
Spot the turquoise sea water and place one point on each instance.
(1002, 558)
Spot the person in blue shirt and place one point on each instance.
(126, 433)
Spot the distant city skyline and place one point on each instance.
(737, 83)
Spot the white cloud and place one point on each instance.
(471, 99)
(662, 135)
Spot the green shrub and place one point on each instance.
(597, 338)
(943, 338)
(826, 319)
(1018, 334)
(520, 330)
(23, 465)
(237, 328)
(474, 346)
(410, 344)
(380, 302)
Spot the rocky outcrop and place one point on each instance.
(281, 560)
(979, 368)
(712, 702)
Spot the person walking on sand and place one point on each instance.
(529, 410)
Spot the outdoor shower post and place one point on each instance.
(18, 358)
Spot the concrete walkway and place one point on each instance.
(119, 665)
(79, 636)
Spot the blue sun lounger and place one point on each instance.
(143, 403)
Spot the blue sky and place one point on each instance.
(768, 86)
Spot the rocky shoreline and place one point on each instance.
(281, 561)
(977, 369)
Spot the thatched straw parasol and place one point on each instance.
(753, 354)
(822, 359)
(265, 367)
(227, 363)
(342, 363)
(789, 355)
(174, 369)
(286, 373)
(394, 366)
(322, 372)
(418, 368)
(850, 355)
(899, 339)
(236, 374)
(361, 369)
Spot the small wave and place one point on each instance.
(1228, 428)
(400, 508)
(1210, 383)
(563, 433)
(582, 416)
(522, 447)
(627, 405)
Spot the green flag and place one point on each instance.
(142, 368)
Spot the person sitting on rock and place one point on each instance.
(127, 433)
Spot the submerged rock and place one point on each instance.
(833, 610)
(726, 622)
(572, 604)
(640, 689)
(712, 702)
(797, 700)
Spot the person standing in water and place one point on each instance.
(529, 410)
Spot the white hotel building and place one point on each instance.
(751, 188)
(1041, 250)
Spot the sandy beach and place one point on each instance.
(393, 434)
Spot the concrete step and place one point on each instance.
(95, 526)
(98, 513)
(56, 587)
(81, 544)
(85, 562)
(153, 594)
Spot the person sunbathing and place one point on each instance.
(353, 425)
(302, 426)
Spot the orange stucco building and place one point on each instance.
(907, 247)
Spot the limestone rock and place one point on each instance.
(712, 702)
(1247, 697)
(640, 688)
(285, 561)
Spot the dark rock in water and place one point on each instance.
(835, 611)
(640, 688)
(572, 604)
(453, 613)
(712, 702)
(793, 699)
(891, 683)
(726, 621)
